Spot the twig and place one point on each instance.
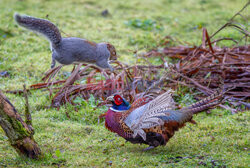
(230, 20)
(19, 92)
(28, 118)
(196, 83)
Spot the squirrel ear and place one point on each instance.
(108, 46)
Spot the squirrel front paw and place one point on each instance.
(53, 64)
(111, 69)
(105, 65)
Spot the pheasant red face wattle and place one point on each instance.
(118, 100)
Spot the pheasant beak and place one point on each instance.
(110, 99)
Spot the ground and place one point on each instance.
(219, 139)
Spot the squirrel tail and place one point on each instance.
(42, 26)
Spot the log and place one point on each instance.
(20, 134)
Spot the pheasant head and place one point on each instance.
(118, 103)
(115, 113)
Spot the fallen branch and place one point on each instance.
(18, 132)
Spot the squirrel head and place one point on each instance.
(112, 51)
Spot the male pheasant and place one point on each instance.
(154, 122)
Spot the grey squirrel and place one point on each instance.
(69, 50)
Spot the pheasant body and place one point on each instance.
(154, 122)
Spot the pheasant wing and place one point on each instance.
(147, 116)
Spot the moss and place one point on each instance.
(15, 128)
(19, 128)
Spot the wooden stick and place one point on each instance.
(28, 118)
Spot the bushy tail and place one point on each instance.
(42, 26)
(204, 104)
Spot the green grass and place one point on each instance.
(220, 139)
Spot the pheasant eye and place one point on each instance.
(118, 100)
